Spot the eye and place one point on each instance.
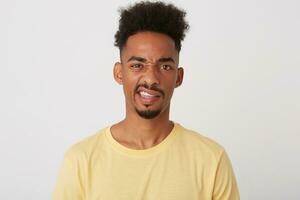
(166, 67)
(136, 66)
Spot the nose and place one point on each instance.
(151, 76)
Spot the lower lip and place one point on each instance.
(148, 100)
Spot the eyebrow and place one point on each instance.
(141, 59)
(136, 58)
(169, 59)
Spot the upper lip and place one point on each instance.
(151, 92)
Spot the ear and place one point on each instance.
(180, 74)
(118, 74)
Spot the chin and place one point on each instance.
(148, 114)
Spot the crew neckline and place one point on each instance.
(141, 152)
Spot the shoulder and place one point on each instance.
(84, 148)
(200, 144)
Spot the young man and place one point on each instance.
(146, 156)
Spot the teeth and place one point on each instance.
(145, 94)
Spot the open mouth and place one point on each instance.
(148, 96)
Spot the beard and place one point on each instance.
(148, 114)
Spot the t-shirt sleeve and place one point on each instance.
(69, 184)
(225, 185)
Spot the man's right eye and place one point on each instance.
(136, 66)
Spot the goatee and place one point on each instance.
(147, 114)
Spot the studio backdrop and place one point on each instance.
(241, 88)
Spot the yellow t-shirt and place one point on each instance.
(184, 166)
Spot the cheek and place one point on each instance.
(129, 86)
(170, 83)
(169, 88)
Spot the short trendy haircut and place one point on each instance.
(151, 16)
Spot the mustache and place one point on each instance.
(152, 87)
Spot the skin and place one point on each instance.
(151, 59)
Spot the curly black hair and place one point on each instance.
(152, 16)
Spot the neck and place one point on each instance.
(142, 133)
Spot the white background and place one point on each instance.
(241, 88)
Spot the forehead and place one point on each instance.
(150, 45)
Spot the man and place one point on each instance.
(146, 156)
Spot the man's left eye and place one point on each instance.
(166, 67)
